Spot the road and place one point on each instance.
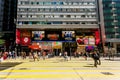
(58, 69)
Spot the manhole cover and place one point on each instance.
(107, 73)
(22, 68)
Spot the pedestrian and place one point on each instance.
(99, 61)
(9, 54)
(75, 54)
(35, 55)
(96, 58)
(60, 54)
(44, 55)
(23, 55)
(13, 55)
(79, 54)
(30, 55)
(66, 56)
(39, 54)
(85, 55)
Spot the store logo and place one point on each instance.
(26, 39)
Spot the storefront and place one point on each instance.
(87, 38)
(56, 41)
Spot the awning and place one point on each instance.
(57, 47)
(34, 47)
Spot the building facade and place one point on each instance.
(57, 24)
(8, 11)
(111, 12)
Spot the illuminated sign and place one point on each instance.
(85, 40)
(68, 35)
(53, 36)
(38, 35)
(25, 40)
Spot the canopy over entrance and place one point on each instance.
(35, 47)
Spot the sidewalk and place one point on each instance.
(58, 69)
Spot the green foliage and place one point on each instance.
(2, 41)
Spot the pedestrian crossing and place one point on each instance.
(54, 70)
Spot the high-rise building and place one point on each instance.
(58, 24)
(111, 23)
(8, 11)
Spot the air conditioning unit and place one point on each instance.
(115, 20)
(114, 14)
(113, 9)
(113, 3)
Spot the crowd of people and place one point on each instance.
(36, 55)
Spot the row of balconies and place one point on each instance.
(54, 13)
(58, 26)
(57, 19)
(37, 6)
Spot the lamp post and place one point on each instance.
(70, 51)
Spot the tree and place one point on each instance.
(2, 41)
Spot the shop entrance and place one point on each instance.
(57, 48)
(57, 51)
(118, 48)
(70, 47)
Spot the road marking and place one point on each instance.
(60, 70)
(59, 76)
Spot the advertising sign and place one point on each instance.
(25, 37)
(25, 40)
(17, 36)
(82, 40)
(38, 35)
(53, 36)
(25, 33)
(85, 40)
(68, 35)
(91, 40)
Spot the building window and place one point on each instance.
(68, 16)
(82, 16)
(82, 22)
(61, 16)
(47, 3)
(54, 3)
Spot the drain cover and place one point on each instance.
(107, 73)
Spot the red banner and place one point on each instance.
(97, 37)
(17, 36)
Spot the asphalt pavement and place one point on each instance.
(58, 69)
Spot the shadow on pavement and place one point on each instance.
(7, 65)
(89, 65)
(112, 59)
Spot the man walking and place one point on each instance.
(96, 58)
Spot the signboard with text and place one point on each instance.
(38, 35)
(68, 35)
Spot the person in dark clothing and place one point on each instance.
(99, 61)
(96, 58)
(85, 55)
